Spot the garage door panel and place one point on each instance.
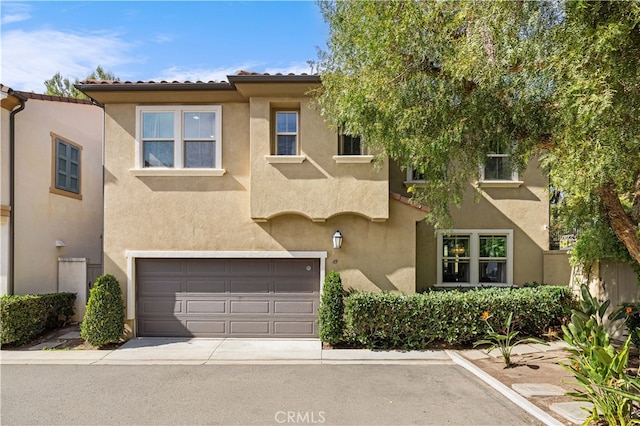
(156, 286)
(202, 286)
(302, 328)
(160, 327)
(206, 328)
(293, 307)
(249, 327)
(160, 267)
(206, 307)
(251, 287)
(206, 267)
(249, 307)
(155, 307)
(295, 286)
(249, 267)
(228, 297)
(299, 267)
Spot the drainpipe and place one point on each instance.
(12, 187)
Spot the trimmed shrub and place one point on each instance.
(24, 317)
(104, 320)
(389, 320)
(331, 311)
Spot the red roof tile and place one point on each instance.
(408, 201)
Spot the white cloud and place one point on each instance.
(199, 74)
(31, 57)
(220, 74)
(295, 68)
(15, 12)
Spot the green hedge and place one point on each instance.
(24, 317)
(389, 320)
(331, 312)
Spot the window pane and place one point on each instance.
(61, 149)
(73, 186)
(199, 154)
(74, 154)
(286, 122)
(158, 154)
(286, 145)
(157, 125)
(416, 175)
(457, 245)
(493, 272)
(493, 246)
(61, 180)
(351, 145)
(497, 168)
(199, 125)
(62, 165)
(73, 170)
(455, 271)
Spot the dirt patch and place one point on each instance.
(541, 368)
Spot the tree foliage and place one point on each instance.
(62, 86)
(436, 85)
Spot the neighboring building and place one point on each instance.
(221, 201)
(55, 207)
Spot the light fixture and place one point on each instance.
(337, 240)
(60, 243)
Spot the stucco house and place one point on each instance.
(50, 193)
(223, 201)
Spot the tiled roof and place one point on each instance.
(231, 78)
(407, 201)
(54, 98)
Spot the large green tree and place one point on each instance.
(61, 86)
(438, 85)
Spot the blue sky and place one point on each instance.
(156, 40)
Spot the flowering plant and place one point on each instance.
(505, 340)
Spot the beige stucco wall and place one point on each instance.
(4, 200)
(42, 217)
(317, 188)
(182, 213)
(525, 210)
(557, 269)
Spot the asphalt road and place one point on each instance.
(433, 394)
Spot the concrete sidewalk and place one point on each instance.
(148, 350)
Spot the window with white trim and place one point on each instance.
(414, 175)
(475, 257)
(179, 137)
(498, 165)
(286, 136)
(350, 145)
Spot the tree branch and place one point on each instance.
(620, 222)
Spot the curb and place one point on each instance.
(511, 395)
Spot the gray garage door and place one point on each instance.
(227, 297)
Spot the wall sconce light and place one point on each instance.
(337, 240)
(60, 243)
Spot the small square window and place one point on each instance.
(498, 165)
(350, 145)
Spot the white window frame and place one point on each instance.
(410, 181)
(474, 256)
(342, 158)
(514, 181)
(296, 133)
(178, 168)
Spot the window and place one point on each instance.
(350, 145)
(498, 167)
(414, 175)
(66, 167)
(184, 138)
(475, 257)
(286, 133)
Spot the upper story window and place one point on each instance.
(350, 145)
(179, 137)
(286, 137)
(66, 164)
(498, 165)
(475, 257)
